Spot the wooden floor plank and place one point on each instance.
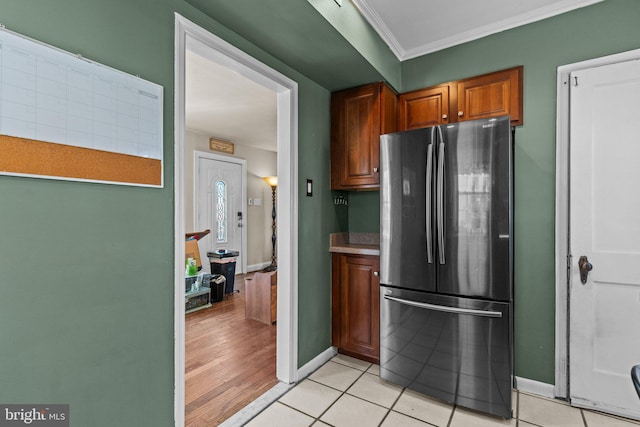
(229, 360)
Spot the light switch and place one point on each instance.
(257, 201)
(250, 201)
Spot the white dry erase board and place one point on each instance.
(65, 117)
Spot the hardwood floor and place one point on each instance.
(230, 361)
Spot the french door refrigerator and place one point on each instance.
(446, 262)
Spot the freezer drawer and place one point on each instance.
(455, 349)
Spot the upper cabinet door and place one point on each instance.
(358, 117)
(492, 95)
(425, 107)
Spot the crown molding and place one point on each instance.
(403, 54)
(380, 27)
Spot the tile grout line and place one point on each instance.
(342, 393)
(391, 407)
(351, 366)
(315, 419)
(346, 392)
(517, 408)
(293, 408)
(453, 410)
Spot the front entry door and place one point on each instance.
(604, 335)
(219, 206)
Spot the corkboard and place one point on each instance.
(30, 157)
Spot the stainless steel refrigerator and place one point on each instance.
(446, 277)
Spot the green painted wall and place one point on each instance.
(364, 211)
(86, 290)
(316, 220)
(605, 28)
(86, 270)
(86, 304)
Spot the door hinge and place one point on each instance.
(569, 259)
(575, 80)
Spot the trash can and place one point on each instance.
(224, 262)
(216, 284)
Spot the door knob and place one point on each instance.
(585, 267)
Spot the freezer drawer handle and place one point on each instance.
(446, 309)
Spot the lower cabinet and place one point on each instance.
(355, 305)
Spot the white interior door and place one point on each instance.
(220, 206)
(604, 339)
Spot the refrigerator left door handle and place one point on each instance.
(428, 225)
(440, 199)
(444, 308)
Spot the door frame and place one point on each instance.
(287, 198)
(196, 187)
(562, 255)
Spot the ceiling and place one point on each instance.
(225, 105)
(222, 104)
(413, 28)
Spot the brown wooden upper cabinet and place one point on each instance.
(490, 95)
(426, 107)
(358, 117)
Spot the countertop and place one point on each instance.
(355, 243)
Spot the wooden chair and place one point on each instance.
(261, 294)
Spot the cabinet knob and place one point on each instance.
(375, 170)
(444, 117)
(376, 273)
(460, 114)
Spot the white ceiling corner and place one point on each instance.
(412, 28)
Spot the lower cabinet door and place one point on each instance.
(356, 306)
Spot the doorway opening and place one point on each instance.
(287, 245)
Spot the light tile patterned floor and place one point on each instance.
(349, 392)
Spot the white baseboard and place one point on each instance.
(258, 267)
(316, 362)
(535, 387)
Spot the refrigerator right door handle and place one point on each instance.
(444, 308)
(440, 202)
(428, 225)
